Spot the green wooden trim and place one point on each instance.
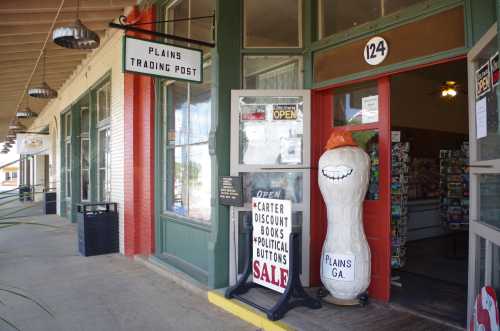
(403, 17)
(158, 160)
(62, 165)
(468, 23)
(93, 146)
(394, 67)
(191, 270)
(186, 221)
(272, 51)
(309, 35)
(226, 71)
(75, 160)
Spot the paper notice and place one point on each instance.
(369, 111)
(481, 119)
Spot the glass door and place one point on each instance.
(270, 150)
(363, 110)
(484, 137)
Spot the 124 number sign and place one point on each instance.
(376, 51)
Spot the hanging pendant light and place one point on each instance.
(15, 126)
(76, 35)
(11, 135)
(26, 112)
(43, 91)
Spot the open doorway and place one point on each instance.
(429, 191)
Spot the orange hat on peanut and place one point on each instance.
(340, 139)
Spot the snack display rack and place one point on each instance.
(454, 187)
(399, 201)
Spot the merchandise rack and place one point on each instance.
(454, 188)
(399, 202)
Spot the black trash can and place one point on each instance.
(49, 203)
(24, 193)
(97, 228)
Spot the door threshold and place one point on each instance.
(402, 308)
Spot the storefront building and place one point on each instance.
(158, 147)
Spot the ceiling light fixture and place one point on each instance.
(76, 35)
(26, 112)
(15, 126)
(449, 89)
(11, 135)
(43, 91)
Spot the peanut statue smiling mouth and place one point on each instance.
(336, 173)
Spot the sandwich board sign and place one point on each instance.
(162, 60)
(272, 225)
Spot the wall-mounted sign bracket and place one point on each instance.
(123, 25)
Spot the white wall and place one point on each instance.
(102, 60)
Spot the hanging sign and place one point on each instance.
(162, 60)
(369, 109)
(483, 82)
(272, 225)
(481, 118)
(495, 73)
(284, 112)
(32, 143)
(253, 112)
(231, 191)
(376, 50)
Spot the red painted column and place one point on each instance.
(139, 174)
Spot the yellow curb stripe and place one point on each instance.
(246, 313)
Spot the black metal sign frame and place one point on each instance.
(123, 25)
(294, 295)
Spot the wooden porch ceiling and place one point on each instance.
(23, 28)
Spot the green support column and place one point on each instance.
(309, 29)
(93, 145)
(62, 164)
(75, 160)
(226, 73)
(481, 16)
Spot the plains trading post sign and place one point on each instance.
(162, 60)
(272, 225)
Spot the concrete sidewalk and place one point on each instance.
(109, 292)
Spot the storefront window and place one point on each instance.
(188, 113)
(84, 152)
(356, 105)
(274, 23)
(273, 185)
(199, 29)
(272, 72)
(488, 125)
(85, 178)
(67, 153)
(489, 197)
(271, 130)
(104, 161)
(341, 15)
(104, 142)
(104, 102)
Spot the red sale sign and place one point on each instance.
(272, 225)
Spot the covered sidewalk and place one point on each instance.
(108, 292)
